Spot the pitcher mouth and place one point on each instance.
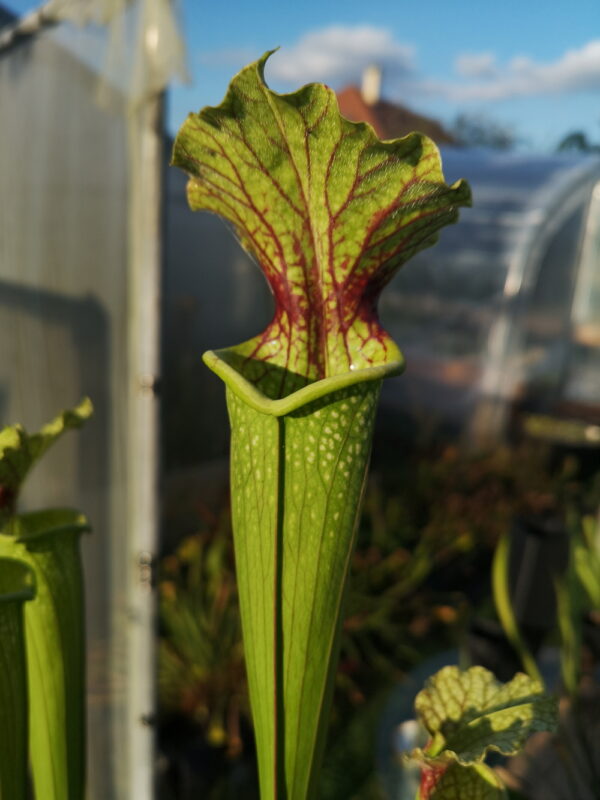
(219, 362)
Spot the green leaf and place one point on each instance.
(329, 211)
(504, 608)
(586, 558)
(48, 543)
(16, 587)
(19, 451)
(569, 611)
(477, 782)
(469, 713)
(577, 590)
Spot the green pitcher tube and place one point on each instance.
(17, 586)
(298, 469)
(48, 542)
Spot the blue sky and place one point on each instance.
(532, 66)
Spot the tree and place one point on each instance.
(479, 130)
(578, 142)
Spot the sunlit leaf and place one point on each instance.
(469, 713)
(19, 451)
(330, 213)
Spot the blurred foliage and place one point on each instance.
(348, 772)
(578, 600)
(479, 130)
(577, 433)
(565, 765)
(201, 661)
(430, 523)
(577, 142)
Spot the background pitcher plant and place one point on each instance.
(42, 661)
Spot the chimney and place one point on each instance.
(371, 84)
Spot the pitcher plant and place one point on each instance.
(330, 213)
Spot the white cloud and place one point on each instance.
(476, 65)
(340, 54)
(576, 70)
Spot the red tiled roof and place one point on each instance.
(389, 120)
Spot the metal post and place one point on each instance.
(146, 154)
